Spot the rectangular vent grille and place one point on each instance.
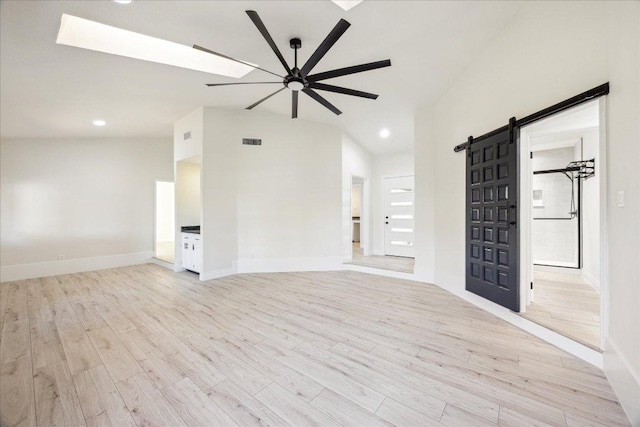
(187, 135)
(251, 141)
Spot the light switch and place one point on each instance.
(621, 199)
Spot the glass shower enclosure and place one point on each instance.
(556, 218)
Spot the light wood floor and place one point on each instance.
(567, 305)
(393, 263)
(166, 251)
(145, 346)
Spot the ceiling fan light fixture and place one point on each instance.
(86, 34)
(384, 133)
(295, 85)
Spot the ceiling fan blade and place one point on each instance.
(324, 47)
(349, 70)
(263, 30)
(342, 90)
(242, 83)
(250, 107)
(294, 104)
(321, 100)
(204, 49)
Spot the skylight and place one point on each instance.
(86, 34)
(347, 4)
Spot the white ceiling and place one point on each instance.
(54, 91)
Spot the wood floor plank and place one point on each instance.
(15, 332)
(146, 404)
(193, 406)
(245, 409)
(56, 399)
(377, 380)
(303, 386)
(98, 395)
(326, 375)
(17, 405)
(205, 374)
(461, 397)
(142, 345)
(456, 417)
(79, 352)
(114, 355)
(293, 410)
(345, 412)
(511, 418)
(402, 416)
(161, 371)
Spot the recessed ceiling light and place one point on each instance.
(123, 1)
(86, 34)
(384, 133)
(347, 4)
(99, 123)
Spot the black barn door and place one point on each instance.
(491, 209)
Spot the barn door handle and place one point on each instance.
(514, 214)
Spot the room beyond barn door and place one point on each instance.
(491, 217)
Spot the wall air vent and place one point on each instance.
(187, 135)
(251, 141)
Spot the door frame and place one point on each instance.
(364, 214)
(525, 215)
(155, 211)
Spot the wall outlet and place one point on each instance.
(61, 257)
(621, 199)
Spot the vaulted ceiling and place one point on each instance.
(55, 91)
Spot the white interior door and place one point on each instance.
(399, 216)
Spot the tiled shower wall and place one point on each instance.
(555, 241)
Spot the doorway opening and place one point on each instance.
(562, 204)
(398, 228)
(165, 221)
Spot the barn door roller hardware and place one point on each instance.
(564, 105)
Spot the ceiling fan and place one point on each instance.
(298, 79)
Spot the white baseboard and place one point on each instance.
(554, 269)
(455, 285)
(624, 381)
(379, 272)
(10, 273)
(592, 280)
(162, 263)
(221, 272)
(378, 252)
(273, 265)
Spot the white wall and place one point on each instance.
(550, 52)
(165, 211)
(356, 161)
(77, 198)
(591, 212)
(270, 207)
(187, 195)
(386, 166)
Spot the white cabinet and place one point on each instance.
(192, 252)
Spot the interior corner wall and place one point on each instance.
(89, 201)
(386, 166)
(274, 207)
(425, 192)
(356, 161)
(550, 52)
